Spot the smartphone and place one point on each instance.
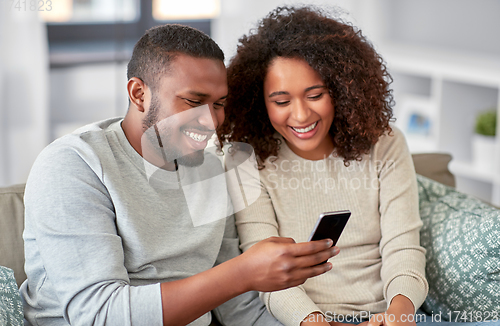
(330, 225)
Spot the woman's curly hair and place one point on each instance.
(353, 72)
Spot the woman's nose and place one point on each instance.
(300, 111)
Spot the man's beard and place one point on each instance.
(161, 139)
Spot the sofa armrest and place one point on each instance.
(434, 166)
(11, 230)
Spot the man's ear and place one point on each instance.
(136, 93)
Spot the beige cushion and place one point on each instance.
(11, 230)
(434, 166)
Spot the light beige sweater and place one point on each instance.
(380, 254)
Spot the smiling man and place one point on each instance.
(110, 236)
(174, 103)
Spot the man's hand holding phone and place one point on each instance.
(278, 263)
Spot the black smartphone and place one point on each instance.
(330, 225)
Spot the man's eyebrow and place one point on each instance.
(198, 94)
(203, 95)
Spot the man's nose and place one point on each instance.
(208, 118)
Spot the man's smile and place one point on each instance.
(195, 135)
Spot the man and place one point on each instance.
(110, 237)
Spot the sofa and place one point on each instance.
(461, 235)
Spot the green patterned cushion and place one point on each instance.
(462, 238)
(11, 308)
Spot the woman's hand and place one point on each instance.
(401, 312)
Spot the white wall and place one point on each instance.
(23, 92)
(84, 94)
(239, 16)
(464, 25)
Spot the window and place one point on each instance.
(87, 31)
(187, 9)
(91, 11)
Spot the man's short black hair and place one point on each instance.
(159, 45)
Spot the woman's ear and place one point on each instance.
(136, 93)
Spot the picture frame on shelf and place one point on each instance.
(416, 118)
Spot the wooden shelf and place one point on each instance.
(468, 67)
(450, 88)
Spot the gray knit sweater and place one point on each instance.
(104, 228)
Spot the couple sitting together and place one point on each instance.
(125, 224)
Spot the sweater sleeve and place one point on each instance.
(403, 259)
(258, 222)
(71, 217)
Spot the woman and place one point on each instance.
(312, 97)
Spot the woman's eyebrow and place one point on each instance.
(278, 93)
(306, 90)
(314, 87)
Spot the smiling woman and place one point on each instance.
(308, 90)
(339, 57)
(299, 107)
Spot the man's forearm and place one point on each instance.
(186, 300)
(270, 265)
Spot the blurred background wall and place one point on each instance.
(24, 87)
(63, 65)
